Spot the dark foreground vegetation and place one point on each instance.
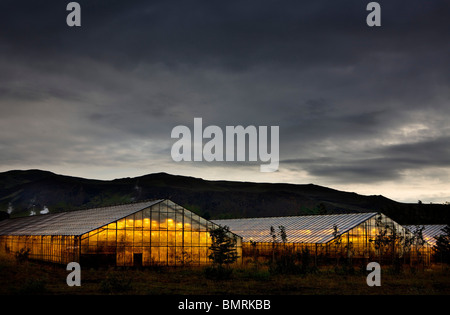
(31, 278)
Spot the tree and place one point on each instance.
(418, 242)
(381, 239)
(284, 258)
(254, 253)
(337, 243)
(22, 255)
(273, 234)
(389, 242)
(274, 239)
(442, 246)
(283, 234)
(223, 246)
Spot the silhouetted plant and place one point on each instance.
(282, 233)
(184, 258)
(337, 243)
(223, 246)
(223, 253)
(22, 255)
(389, 242)
(254, 254)
(442, 246)
(285, 259)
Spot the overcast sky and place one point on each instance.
(359, 108)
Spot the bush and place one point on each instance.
(442, 247)
(288, 261)
(22, 255)
(223, 247)
(285, 263)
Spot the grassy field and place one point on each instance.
(43, 279)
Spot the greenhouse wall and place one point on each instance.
(60, 249)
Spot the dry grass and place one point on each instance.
(44, 279)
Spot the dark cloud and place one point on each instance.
(379, 164)
(354, 104)
(433, 152)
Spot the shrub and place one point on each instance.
(288, 261)
(223, 247)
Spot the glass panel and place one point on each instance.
(121, 224)
(138, 220)
(146, 223)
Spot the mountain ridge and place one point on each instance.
(25, 192)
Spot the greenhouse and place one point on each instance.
(355, 236)
(137, 234)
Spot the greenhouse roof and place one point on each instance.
(299, 229)
(72, 222)
(429, 231)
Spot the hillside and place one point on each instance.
(24, 192)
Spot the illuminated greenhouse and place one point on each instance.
(356, 235)
(429, 233)
(137, 234)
